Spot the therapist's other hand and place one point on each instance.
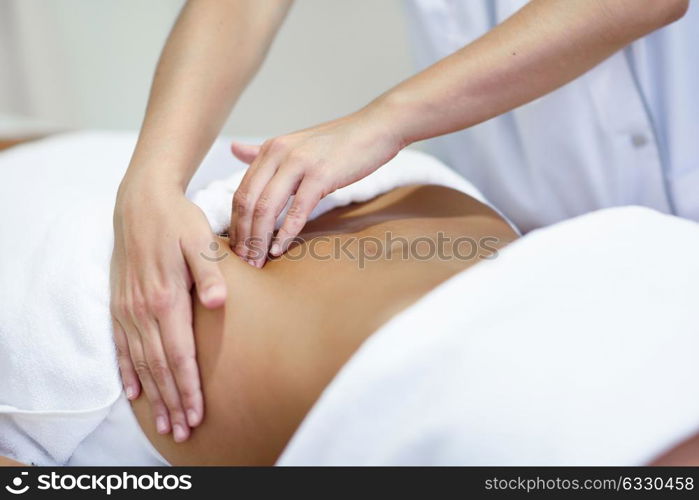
(159, 237)
(309, 164)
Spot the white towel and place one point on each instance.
(576, 346)
(57, 364)
(56, 357)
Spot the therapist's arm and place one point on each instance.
(541, 47)
(212, 53)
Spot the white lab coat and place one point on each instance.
(626, 132)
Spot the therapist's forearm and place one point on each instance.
(543, 46)
(212, 53)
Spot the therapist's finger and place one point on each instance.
(164, 379)
(245, 199)
(203, 266)
(269, 205)
(138, 357)
(129, 377)
(307, 197)
(245, 152)
(180, 350)
(180, 347)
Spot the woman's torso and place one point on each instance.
(287, 329)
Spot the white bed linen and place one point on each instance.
(576, 346)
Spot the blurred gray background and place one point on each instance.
(73, 64)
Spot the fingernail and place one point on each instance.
(276, 250)
(161, 425)
(179, 433)
(192, 418)
(130, 392)
(251, 262)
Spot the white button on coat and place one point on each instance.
(626, 132)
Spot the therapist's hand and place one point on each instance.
(309, 164)
(159, 238)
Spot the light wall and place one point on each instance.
(88, 63)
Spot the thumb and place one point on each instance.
(245, 152)
(202, 258)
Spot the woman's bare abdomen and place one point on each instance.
(287, 329)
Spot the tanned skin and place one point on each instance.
(287, 329)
